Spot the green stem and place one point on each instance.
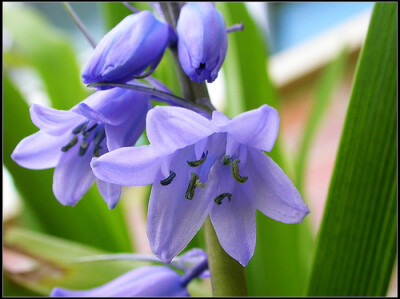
(227, 275)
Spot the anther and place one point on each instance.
(96, 151)
(79, 128)
(235, 172)
(98, 138)
(194, 182)
(86, 133)
(169, 179)
(196, 163)
(219, 198)
(83, 148)
(226, 160)
(70, 144)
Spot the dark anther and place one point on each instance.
(169, 179)
(235, 172)
(202, 66)
(70, 144)
(96, 151)
(86, 133)
(83, 148)
(79, 128)
(98, 138)
(219, 198)
(226, 160)
(196, 163)
(194, 182)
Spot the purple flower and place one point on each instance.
(200, 167)
(202, 41)
(151, 281)
(68, 140)
(137, 42)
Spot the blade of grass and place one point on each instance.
(357, 239)
(325, 88)
(51, 263)
(49, 52)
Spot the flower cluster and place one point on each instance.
(199, 165)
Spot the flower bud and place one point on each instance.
(136, 43)
(202, 41)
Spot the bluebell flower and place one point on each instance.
(68, 140)
(150, 281)
(200, 167)
(202, 41)
(136, 43)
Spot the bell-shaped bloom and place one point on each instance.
(150, 281)
(68, 140)
(136, 43)
(202, 41)
(154, 281)
(201, 167)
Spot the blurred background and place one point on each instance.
(305, 42)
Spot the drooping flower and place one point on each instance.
(136, 43)
(200, 167)
(150, 281)
(202, 41)
(68, 140)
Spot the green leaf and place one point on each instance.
(357, 239)
(12, 289)
(249, 85)
(48, 51)
(89, 221)
(325, 88)
(114, 12)
(283, 252)
(49, 262)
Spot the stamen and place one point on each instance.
(226, 160)
(235, 172)
(70, 144)
(196, 163)
(194, 182)
(219, 198)
(79, 128)
(98, 138)
(96, 151)
(86, 133)
(169, 179)
(83, 148)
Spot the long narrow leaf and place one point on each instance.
(323, 94)
(357, 240)
(46, 262)
(49, 52)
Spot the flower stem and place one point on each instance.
(227, 275)
(79, 23)
(159, 95)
